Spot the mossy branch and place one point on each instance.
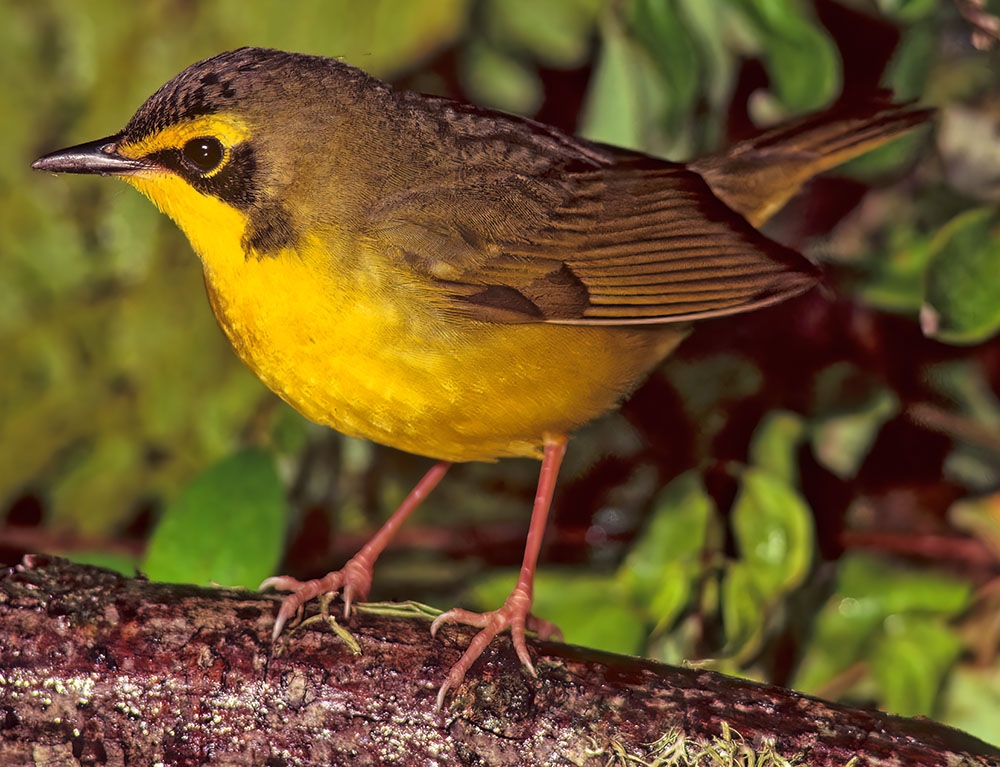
(100, 669)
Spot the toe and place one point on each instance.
(280, 583)
(462, 617)
(544, 630)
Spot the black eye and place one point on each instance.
(203, 154)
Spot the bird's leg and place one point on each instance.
(515, 614)
(355, 578)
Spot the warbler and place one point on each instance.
(452, 281)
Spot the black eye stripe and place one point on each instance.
(203, 154)
(235, 182)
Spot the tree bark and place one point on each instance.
(97, 669)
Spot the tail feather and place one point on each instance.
(758, 176)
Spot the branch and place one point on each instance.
(100, 669)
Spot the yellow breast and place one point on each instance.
(350, 343)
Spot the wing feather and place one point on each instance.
(634, 243)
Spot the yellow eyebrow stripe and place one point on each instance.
(228, 128)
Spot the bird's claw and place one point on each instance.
(514, 615)
(353, 581)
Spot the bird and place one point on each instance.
(456, 282)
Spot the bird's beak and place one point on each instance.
(99, 156)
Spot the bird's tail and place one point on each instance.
(758, 176)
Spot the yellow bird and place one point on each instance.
(452, 281)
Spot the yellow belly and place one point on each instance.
(387, 364)
(358, 343)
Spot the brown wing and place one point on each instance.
(634, 243)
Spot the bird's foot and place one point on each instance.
(353, 581)
(515, 614)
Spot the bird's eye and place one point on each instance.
(203, 154)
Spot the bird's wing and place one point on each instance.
(639, 243)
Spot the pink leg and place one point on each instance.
(515, 613)
(355, 578)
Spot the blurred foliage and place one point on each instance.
(119, 385)
(818, 511)
(239, 500)
(962, 300)
(877, 608)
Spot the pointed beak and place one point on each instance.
(94, 157)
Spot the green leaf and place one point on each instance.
(853, 622)
(626, 93)
(842, 636)
(501, 81)
(709, 22)
(841, 442)
(226, 526)
(964, 384)
(799, 55)
(850, 407)
(895, 279)
(668, 554)
(962, 298)
(913, 61)
(661, 29)
(971, 701)
(120, 563)
(774, 531)
(775, 444)
(910, 661)
(973, 462)
(907, 10)
(677, 580)
(884, 588)
(744, 609)
(556, 32)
